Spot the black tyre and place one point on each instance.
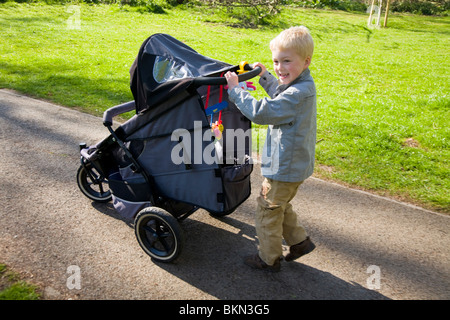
(92, 184)
(159, 234)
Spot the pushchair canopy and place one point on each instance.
(166, 66)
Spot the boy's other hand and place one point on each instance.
(259, 64)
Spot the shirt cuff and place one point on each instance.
(234, 92)
(265, 76)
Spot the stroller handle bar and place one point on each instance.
(109, 114)
(217, 81)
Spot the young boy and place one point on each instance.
(290, 144)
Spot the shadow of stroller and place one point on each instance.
(108, 209)
(212, 261)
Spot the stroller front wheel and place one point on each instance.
(92, 184)
(159, 234)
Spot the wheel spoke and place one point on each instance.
(150, 230)
(162, 235)
(100, 185)
(164, 243)
(157, 235)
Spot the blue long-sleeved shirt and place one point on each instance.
(290, 112)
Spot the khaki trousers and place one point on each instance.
(275, 219)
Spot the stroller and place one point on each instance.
(187, 146)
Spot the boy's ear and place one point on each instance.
(307, 62)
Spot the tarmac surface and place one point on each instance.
(367, 246)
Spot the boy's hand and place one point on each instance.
(259, 64)
(232, 80)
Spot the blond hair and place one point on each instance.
(297, 38)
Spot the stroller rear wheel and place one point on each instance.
(92, 184)
(159, 234)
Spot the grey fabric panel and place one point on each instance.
(197, 187)
(127, 209)
(152, 118)
(167, 120)
(195, 184)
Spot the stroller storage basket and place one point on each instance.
(236, 184)
(135, 190)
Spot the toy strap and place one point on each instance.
(207, 97)
(208, 92)
(220, 100)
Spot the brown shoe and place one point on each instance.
(300, 249)
(256, 262)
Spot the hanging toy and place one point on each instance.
(217, 129)
(216, 108)
(247, 85)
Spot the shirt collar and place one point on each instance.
(301, 77)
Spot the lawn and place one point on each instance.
(12, 287)
(383, 94)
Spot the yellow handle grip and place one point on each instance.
(242, 66)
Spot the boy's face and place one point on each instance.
(288, 65)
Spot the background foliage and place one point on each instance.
(257, 11)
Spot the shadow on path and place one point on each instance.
(212, 261)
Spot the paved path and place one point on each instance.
(47, 225)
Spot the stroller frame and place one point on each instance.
(122, 167)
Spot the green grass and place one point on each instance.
(383, 94)
(13, 288)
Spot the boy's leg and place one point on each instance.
(272, 203)
(293, 232)
(295, 236)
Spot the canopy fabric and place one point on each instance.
(166, 67)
